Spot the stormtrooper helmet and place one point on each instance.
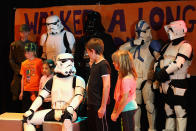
(176, 29)
(65, 65)
(143, 32)
(54, 25)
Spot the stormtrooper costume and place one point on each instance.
(143, 49)
(65, 97)
(56, 40)
(176, 58)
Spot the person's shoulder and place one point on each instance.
(38, 59)
(44, 34)
(79, 78)
(128, 78)
(68, 32)
(80, 81)
(105, 65)
(15, 43)
(105, 62)
(25, 61)
(43, 77)
(185, 44)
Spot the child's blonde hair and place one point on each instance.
(124, 60)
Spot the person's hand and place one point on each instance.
(162, 75)
(47, 99)
(114, 117)
(28, 115)
(101, 112)
(21, 96)
(33, 97)
(58, 114)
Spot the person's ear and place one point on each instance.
(93, 51)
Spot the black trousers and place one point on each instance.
(128, 122)
(26, 100)
(94, 123)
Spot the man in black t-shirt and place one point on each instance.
(16, 57)
(98, 86)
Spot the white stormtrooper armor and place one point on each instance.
(54, 25)
(174, 67)
(56, 40)
(176, 29)
(144, 61)
(65, 97)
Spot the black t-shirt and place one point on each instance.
(95, 84)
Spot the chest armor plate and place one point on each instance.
(62, 92)
(170, 54)
(55, 45)
(145, 68)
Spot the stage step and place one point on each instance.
(79, 125)
(13, 122)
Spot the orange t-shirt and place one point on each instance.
(31, 70)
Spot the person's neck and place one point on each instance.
(32, 58)
(99, 59)
(48, 75)
(24, 39)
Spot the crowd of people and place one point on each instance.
(111, 82)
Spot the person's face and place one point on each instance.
(116, 66)
(24, 35)
(46, 70)
(29, 55)
(91, 54)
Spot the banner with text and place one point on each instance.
(118, 19)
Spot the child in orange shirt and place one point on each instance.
(31, 70)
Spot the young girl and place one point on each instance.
(124, 94)
(47, 72)
(31, 70)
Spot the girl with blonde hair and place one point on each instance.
(125, 90)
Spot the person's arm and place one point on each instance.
(22, 88)
(71, 40)
(105, 95)
(43, 44)
(15, 67)
(121, 105)
(115, 107)
(45, 92)
(184, 54)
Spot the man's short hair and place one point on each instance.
(95, 44)
(24, 28)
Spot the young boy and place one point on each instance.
(31, 74)
(98, 86)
